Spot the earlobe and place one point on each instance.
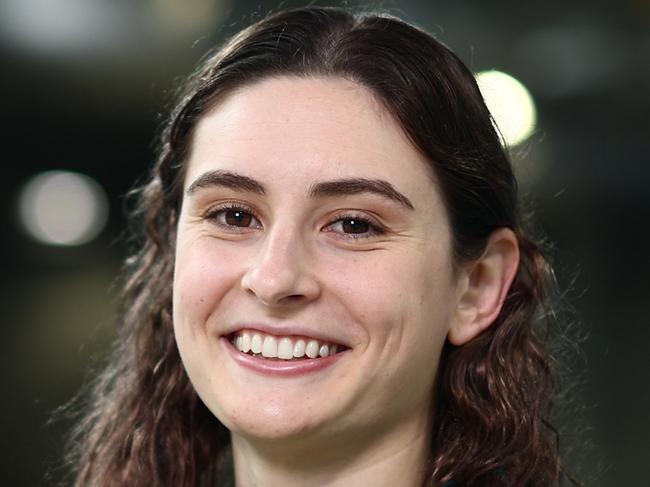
(485, 286)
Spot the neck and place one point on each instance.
(395, 457)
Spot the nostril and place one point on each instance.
(294, 298)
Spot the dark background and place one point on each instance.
(83, 83)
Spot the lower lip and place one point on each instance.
(282, 368)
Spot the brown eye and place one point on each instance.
(238, 218)
(234, 218)
(354, 226)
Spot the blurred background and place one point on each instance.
(85, 83)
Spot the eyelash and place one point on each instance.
(213, 214)
(374, 228)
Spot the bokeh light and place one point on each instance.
(63, 208)
(88, 28)
(511, 105)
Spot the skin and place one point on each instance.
(389, 295)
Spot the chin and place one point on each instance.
(266, 419)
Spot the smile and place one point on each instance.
(284, 348)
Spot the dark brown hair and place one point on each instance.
(144, 424)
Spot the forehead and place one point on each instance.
(292, 131)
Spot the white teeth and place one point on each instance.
(324, 351)
(256, 343)
(245, 342)
(299, 349)
(285, 349)
(312, 349)
(270, 347)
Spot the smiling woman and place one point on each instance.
(313, 253)
(334, 287)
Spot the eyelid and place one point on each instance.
(211, 212)
(229, 205)
(376, 227)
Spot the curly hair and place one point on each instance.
(144, 424)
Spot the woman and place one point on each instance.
(334, 287)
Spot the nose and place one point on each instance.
(279, 273)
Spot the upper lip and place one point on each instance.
(285, 329)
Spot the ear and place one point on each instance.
(483, 286)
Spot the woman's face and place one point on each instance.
(309, 221)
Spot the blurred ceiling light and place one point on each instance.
(186, 17)
(63, 26)
(63, 208)
(92, 27)
(511, 105)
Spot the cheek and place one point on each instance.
(400, 303)
(403, 304)
(203, 274)
(394, 295)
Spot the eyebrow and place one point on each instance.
(338, 187)
(349, 186)
(226, 179)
